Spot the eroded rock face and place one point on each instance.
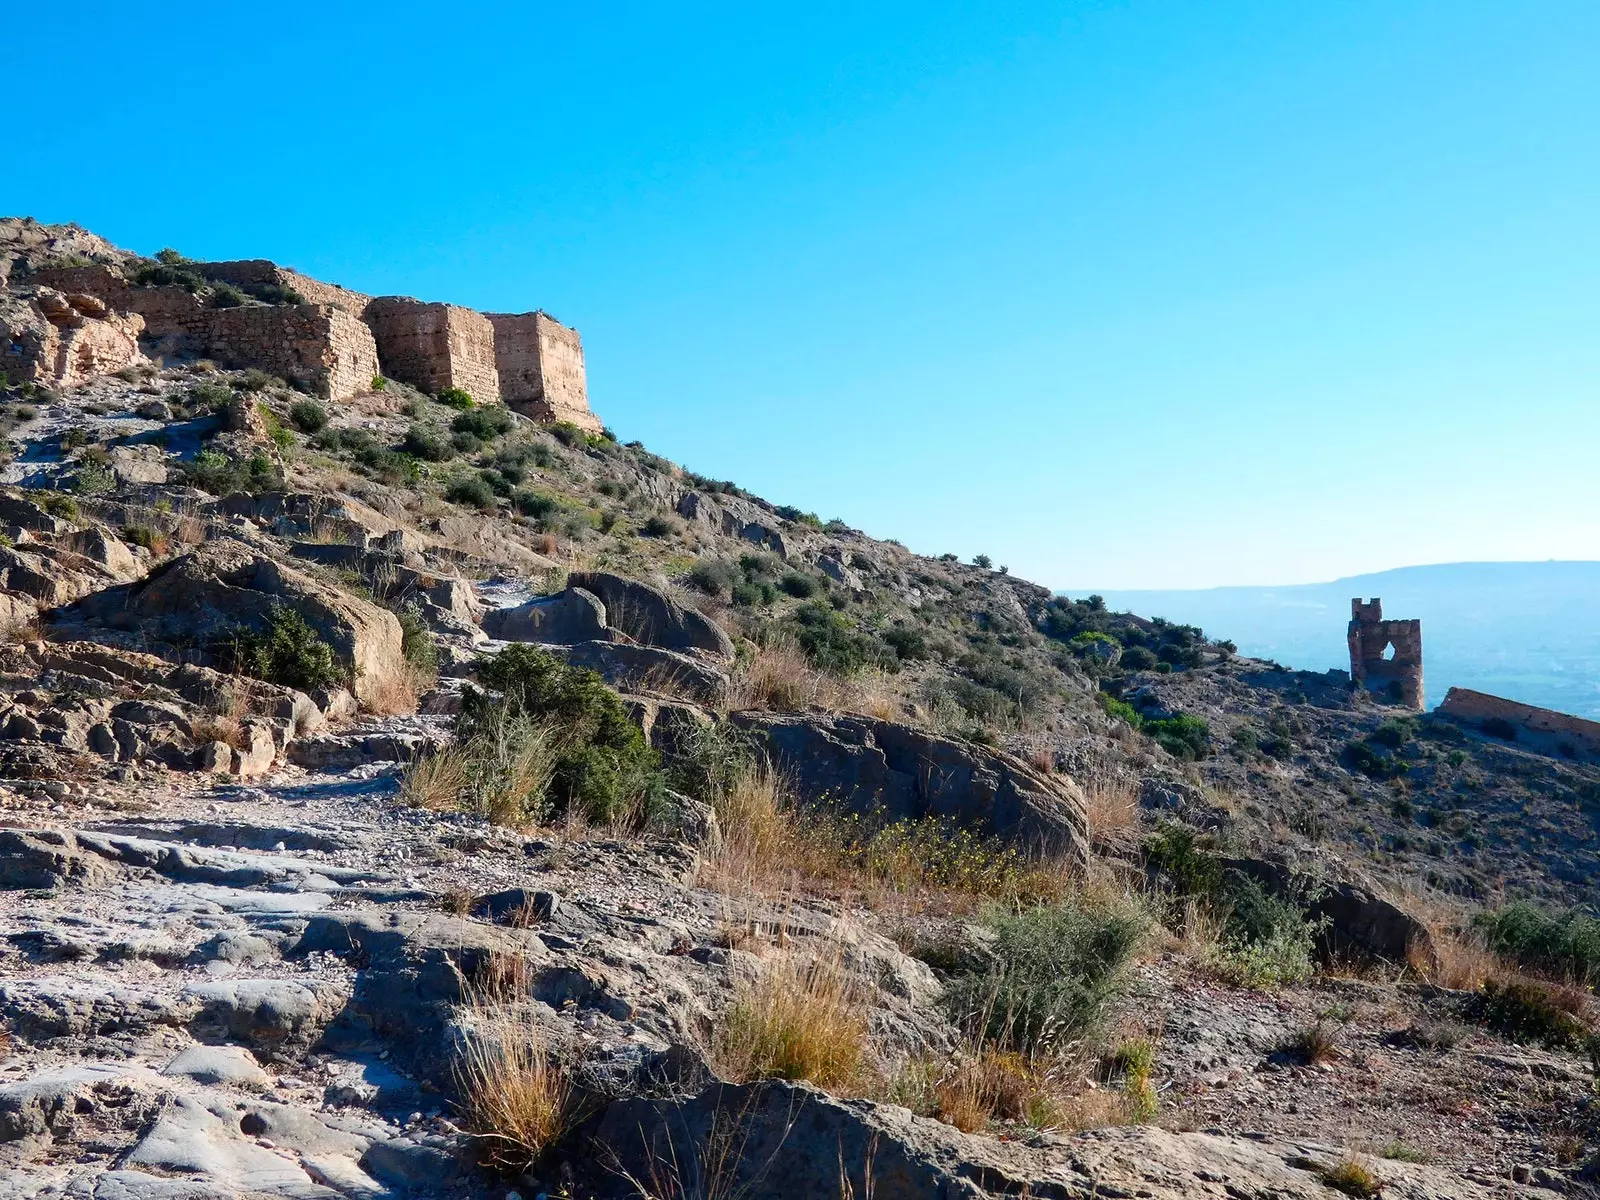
(795, 1141)
(651, 617)
(571, 616)
(212, 591)
(880, 767)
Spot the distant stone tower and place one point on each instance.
(1386, 656)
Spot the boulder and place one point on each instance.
(631, 668)
(792, 1140)
(566, 618)
(651, 617)
(210, 592)
(885, 769)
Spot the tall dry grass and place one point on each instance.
(803, 1018)
(777, 677)
(1112, 806)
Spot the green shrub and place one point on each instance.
(256, 380)
(568, 434)
(486, 423)
(457, 398)
(908, 643)
(754, 595)
(222, 475)
(833, 643)
(798, 585)
(1372, 763)
(659, 525)
(94, 479)
(602, 766)
(378, 383)
(1185, 859)
(498, 483)
(416, 642)
(1182, 736)
(208, 397)
(1137, 658)
(289, 653)
(713, 577)
(428, 443)
(1565, 944)
(308, 416)
(466, 443)
(1394, 732)
(533, 504)
(472, 491)
(541, 454)
(1057, 969)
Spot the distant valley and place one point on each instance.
(1527, 631)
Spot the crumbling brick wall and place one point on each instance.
(435, 346)
(65, 338)
(1397, 677)
(326, 349)
(1538, 728)
(540, 362)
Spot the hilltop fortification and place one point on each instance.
(75, 306)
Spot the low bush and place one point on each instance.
(289, 653)
(1056, 972)
(713, 577)
(833, 643)
(1564, 944)
(1353, 1179)
(1183, 736)
(472, 491)
(601, 768)
(223, 475)
(153, 540)
(798, 585)
(537, 505)
(485, 424)
(308, 416)
(457, 398)
(659, 526)
(428, 443)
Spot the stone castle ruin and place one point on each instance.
(73, 306)
(1386, 656)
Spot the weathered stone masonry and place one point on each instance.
(333, 344)
(1540, 728)
(1397, 678)
(435, 346)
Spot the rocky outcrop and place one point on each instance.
(651, 617)
(570, 616)
(210, 592)
(881, 768)
(790, 1140)
(650, 669)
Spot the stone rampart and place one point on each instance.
(540, 362)
(1539, 728)
(325, 348)
(435, 346)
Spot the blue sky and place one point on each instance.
(1121, 294)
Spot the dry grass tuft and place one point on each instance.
(516, 1101)
(225, 721)
(1112, 807)
(803, 1018)
(1455, 960)
(777, 677)
(1353, 1179)
(395, 695)
(435, 782)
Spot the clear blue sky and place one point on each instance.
(1122, 294)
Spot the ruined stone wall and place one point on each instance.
(1397, 679)
(247, 271)
(541, 368)
(63, 339)
(1539, 728)
(435, 346)
(328, 350)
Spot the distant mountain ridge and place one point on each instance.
(1527, 631)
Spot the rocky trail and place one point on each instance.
(254, 990)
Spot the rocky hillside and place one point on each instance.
(403, 797)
